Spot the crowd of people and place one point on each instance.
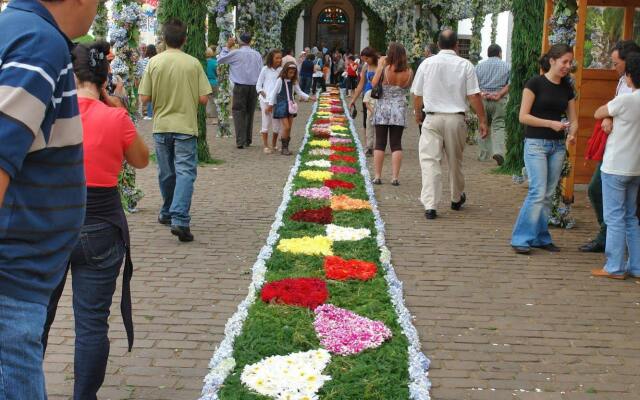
(65, 133)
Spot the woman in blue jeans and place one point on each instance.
(621, 179)
(546, 100)
(109, 138)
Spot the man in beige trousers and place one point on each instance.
(442, 86)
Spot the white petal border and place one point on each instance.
(222, 362)
(419, 384)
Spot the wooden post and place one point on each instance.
(579, 55)
(629, 14)
(548, 12)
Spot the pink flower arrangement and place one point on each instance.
(344, 332)
(340, 140)
(339, 169)
(322, 193)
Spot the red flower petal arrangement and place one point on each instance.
(339, 269)
(321, 135)
(302, 292)
(341, 169)
(343, 149)
(337, 183)
(322, 215)
(339, 157)
(321, 121)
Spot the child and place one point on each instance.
(279, 100)
(266, 81)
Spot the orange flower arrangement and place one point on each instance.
(346, 203)
(339, 269)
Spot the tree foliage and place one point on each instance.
(528, 21)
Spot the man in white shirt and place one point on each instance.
(618, 56)
(443, 84)
(621, 178)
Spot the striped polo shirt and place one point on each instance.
(40, 150)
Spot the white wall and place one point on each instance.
(364, 32)
(503, 37)
(299, 35)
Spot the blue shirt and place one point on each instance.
(212, 71)
(493, 74)
(245, 64)
(41, 151)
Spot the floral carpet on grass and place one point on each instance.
(324, 317)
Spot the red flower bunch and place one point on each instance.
(339, 269)
(337, 183)
(321, 121)
(339, 157)
(337, 110)
(343, 149)
(322, 215)
(303, 292)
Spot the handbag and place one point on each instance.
(293, 106)
(376, 91)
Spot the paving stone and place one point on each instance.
(487, 318)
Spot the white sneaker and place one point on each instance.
(147, 118)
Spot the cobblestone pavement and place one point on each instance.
(495, 325)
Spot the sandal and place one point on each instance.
(395, 182)
(377, 181)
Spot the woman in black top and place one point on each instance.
(548, 112)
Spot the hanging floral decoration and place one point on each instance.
(301, 292)
(125, 34)
(562, 24)
(339, 269)
(223, 12)
(322, 216)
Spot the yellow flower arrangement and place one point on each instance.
(344, 202)
(323, 113)
(339, 128)
(320, 143)
(311, 246)
(316, 175)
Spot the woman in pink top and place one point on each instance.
(109, 138)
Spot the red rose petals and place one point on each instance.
(302, 292)
(343, 149)
(340, 157)
(337, 183)
(322, 215)
(339, 269)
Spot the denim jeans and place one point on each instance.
(620, 195)
(544, 160)
(21, 373)
(305, 84)
(149, 109)
(177, 170)
(95, 265)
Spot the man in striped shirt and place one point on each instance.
(493, 78)
(42, 187)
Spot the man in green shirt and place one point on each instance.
(175, 83)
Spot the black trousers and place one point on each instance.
(320, 81)
(243, 107)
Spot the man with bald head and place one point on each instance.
(442, 86)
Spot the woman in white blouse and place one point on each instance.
(266, 82)
(281, 102)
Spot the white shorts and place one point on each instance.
(267, 119)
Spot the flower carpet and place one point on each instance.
(324, 317)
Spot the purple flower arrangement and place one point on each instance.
(322, 193)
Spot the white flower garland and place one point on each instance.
(419, 384)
